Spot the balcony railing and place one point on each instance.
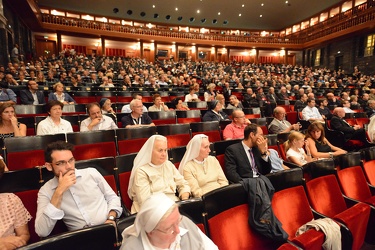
(361, 14)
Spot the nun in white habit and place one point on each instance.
(159, 225)
(202, 171)
(153, 173)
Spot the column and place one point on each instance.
(102, 39)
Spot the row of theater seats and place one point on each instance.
(223, 213)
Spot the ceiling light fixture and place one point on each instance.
(168, 17)
(129, 12)
(179, 18)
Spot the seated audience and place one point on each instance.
(249, 99)
(153, 173)
(350, 132)
(248, 158)
(159, 225)
(79, 197)
(277, 163)
(235, 130)
(346, 106)
(191, 97)
(210, 94)
(201, 170)
(136, 118)
(126, 108)
(319, 146)
(106, 83)
(324, 110)
(179, 105)
(301, 103)
(215, 112)
(9, 125)
(96, 120)
(294, 149)
(54, 124)
(32, 95)
(234, 103)
(311, 113)
(371, 129)
(158, 104)
(6, 94)
(14, 218)
(60, 95)
(279, 124)
(106, 106)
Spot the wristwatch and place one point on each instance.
(111, 217)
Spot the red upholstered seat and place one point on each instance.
(369, 168)
(287, 246)
(292, 208)
(213, 136)
(29, 199)
(94, 150)
(326, 198)
(130, 146)
(25, 159)
(188, 120)
(178, 140)
(124, 183)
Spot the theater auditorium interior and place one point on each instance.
(189, 57)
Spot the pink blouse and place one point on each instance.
(13, 214)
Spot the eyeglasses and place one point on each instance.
(170, 230)
(64, 163)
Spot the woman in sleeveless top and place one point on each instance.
(319, 146)
(9, 125)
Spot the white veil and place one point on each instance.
(192, 151)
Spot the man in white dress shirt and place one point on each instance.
(311, 113)
(126, 108)
(96, 121)
(81, 198)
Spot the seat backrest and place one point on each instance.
(96, 238)
(285, 179)
(194, 210)
(292, 209)
(173, 129)
(353, 183)
(178, 140)
(134, 133)
(369, 168)
(124, 223)
(227, 216)
(175, 154)
(325, 195)
(20, 180)
(220, 146)
(349, 159)
(130, 146)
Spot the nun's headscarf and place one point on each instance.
(150, 214)
(371, 128)
(143, 157)
(192, 151)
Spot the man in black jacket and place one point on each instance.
(32, 95)
(248, 158)
(350, 132)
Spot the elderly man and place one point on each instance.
(279, 124)
(159, 225)
(32, 95)
(350, 132)
(81, 198)
(136, 118)
(126, 108)
(311, 113)
(234, 103)
(236, 129)
(370, 108)
(96, 120)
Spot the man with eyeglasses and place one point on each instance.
(136, 118)
(81, 198)
(279, 124)
(159, 225)
(235, 130)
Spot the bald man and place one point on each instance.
(279, 124)
(350, 132)
(235, 130)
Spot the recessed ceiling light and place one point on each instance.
(176, 9)
(153, 6)
(260, 15)
(286, 2)
(240, 14)
(198, 11)
(243, 5)
(219, 13)
(262, 4)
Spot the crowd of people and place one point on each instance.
(155, 183)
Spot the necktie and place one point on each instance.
(252, 161)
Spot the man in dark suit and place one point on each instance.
(248, 158)
(350, 132)
(32, 95)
